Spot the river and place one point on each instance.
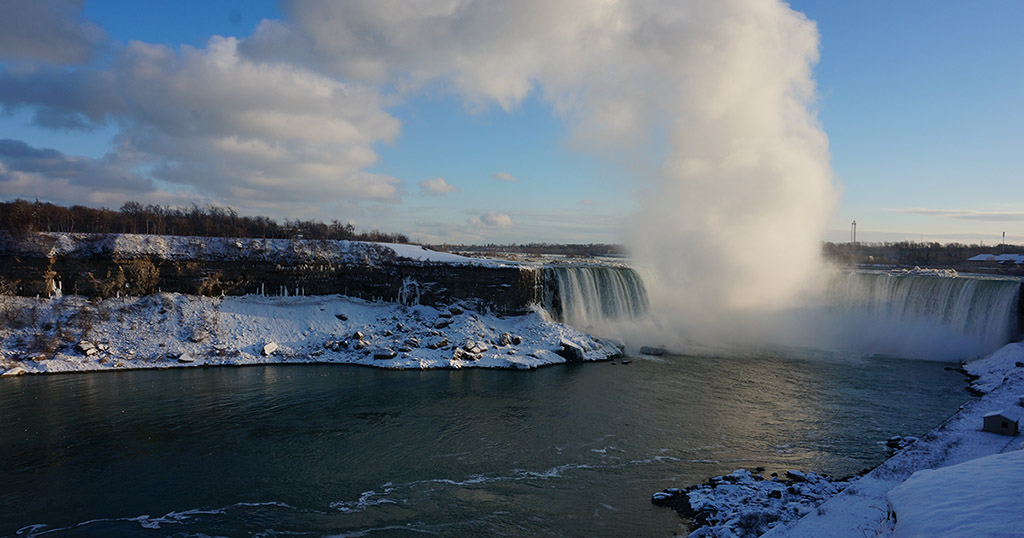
(328, 450)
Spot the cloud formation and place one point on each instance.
(965, 214)
(208, 120)
(47, 30)
(493, 219)
(505, 176)
(437, 187)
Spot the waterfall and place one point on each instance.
(585, 295)
(984, 310)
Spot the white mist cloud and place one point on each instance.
(437, 187)
(505, 176)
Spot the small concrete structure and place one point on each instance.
(1004, 423)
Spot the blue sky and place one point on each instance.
(920, 102)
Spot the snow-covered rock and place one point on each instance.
(269, 348)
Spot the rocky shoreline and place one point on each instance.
(167, 330)
(744, 503)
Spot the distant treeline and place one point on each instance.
(909, 253)
(22, 216)
(588, 250)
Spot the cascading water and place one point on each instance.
(587, 295)
(984, 311)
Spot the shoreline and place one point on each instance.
(162, 331)
(863, 504)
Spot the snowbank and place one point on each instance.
(981, 497)
(171, 330)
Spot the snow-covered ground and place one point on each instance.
(171, 330)
(955, 481)
(171, 247)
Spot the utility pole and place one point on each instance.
(853, 232)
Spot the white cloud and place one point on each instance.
(492, 219)
(251, 134)
(965, 214)
(437, 187)
(589, 202)
(505, 176)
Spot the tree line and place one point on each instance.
(910, 253)
(21, 216)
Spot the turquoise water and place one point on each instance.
(327, 450)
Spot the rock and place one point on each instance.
(474, 347)
(796, 476)
(516, 339)
(17, 370)
(445, 314)
(199, 335)
(571, 351)
(650, 350)
(405, 349)
(455, 309)
(388, 333)
(86, 347)
(341, 317)
(437, 342)
(359, 345)
(384, 353)
(186, 358)
(458, 354)
(505, 339)
(102, 347)
(511, 352)
(412, 341)
(358, 335)
(329, 344)
(442, 323)
(269, 348)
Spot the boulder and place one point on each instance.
(516, 339)
(796, 476)
(269, 348)
(442, 323)
(571, 351)
(455, 309)
(474, 347)
(505, 339)
(384, 353)
(87, 348)
(651, 350)
(17, 370)
(186, 358)
(341, 317)
(437, 342)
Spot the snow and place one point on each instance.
(949, 501)
(157, 330)
(1012, 258)
(169, 247)
(421, 254)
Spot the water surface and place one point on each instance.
(330, 450)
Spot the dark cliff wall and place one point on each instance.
(501, 289)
